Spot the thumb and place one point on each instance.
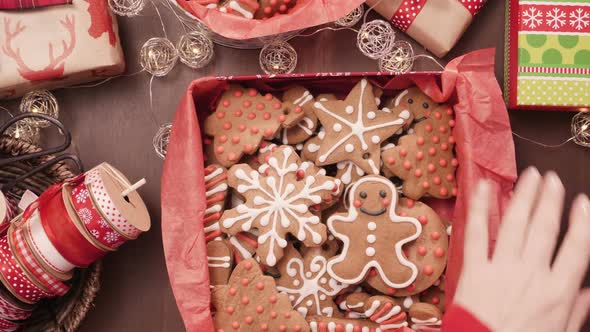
(580, 311)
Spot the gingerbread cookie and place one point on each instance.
(244, 245)
(355, 128)
(277, 203)
(333, 324)
(312, 145)
(380, 309)
(424, 316)
(219, 259)
(250, 302)
(215, 193)
(435, 296)
(308, 284)
(242, 120)
(298, 99)
(270, 8)
(428, 252)
(244, 8)
(373, 235)
(418, 103)
(348, 172)
(425, 159)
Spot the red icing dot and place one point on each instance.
(428, 270)
(263, 327)
(287, 315)
(225, 103)
(297, 328)
(238, 113)
(235, 139)
(248, 320)
(435, 235)
(248, 148)
(421, 251)
(435, 300)
(423, 220)
(437, 115)
(232, 291)
(248, 266)
(223, 138)
(419, 155)
(282, 118)
(444, 191)
(267, 10)
(454, 162)
(425, 185)
(267, 116)
(439, 252)
(272, 299)
(411, 288)
(407, 165)
(268, 96)
(220, 114)
(442, 129)
(277, 105)
(449, 111)
(242, 127)
(451, 123)
(450, 177)
(238, 93)
(418, 173)
(454, 191)
(403, 152)
(260, 106)
(273, 314)
(247, 103)
(232, 157)
(431, 168)
(254, 130)
(391, 161)
(252, 92)
(451, 140)
(391, 291)
(219, 149)
(420, 140)
(442, 163)
(283, 8)
(435, 139)
(282, 328)
(235, 325)
(432, 151)
(357, 204)
(227, 126)
(268, 132)
(436, 180)
(259, 309)
(251, 116)
(444, 146)
(372, 272)
(244, 282)
(410, 203)
(428, 127)
(298, 109)
(245, 300)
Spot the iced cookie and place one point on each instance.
(244, 245)
(373, 235)
(215, 193)
(244, 8)
(355, 128)
(277, 204)
(418, 103)
(333, 324)
(250, 302)
(219, 259)
(434, 296)
(425, 159)
(308, 284)
(424, 316)
(428, 252)
(270, 8)
(380, 309)
(298, 99)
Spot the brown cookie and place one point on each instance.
(242, 120)
(384, 310)
(418, 103)
(355, 128)
(425, 159)
(333, 324)
(244, 8)
(308, 284)
(435, 296)
(250, 302)
(270, 8)
(424, 316)
(216, 193)
(328, 199)
(219, 259)
(277, 203)
(312, 146)
(428, 252)
(348, 172)
(244, 245)
(373, 235)
(299, 99)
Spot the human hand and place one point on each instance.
(518, 289)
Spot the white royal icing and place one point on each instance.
(222, 261)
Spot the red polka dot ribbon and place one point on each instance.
(25, 257)
(8, 326)
(91, 218)
(11, 309)
(15, 279)
(409, 10)
(105, 204)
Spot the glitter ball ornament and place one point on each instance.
(158, 56)
(23, 131)
(195, 49)
(161, 140)
(400, 60)
(40, 102)
(581, 129)
(352, 18)
(126, 7)
(278, 58)
(375, 39)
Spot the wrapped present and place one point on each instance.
(548, 55)
(436, 24)
(58, 46)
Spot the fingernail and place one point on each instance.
(531, 170)
(553, 180)
(584, 205)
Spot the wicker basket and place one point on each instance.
(59, 313)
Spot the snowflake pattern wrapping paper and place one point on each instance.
(549, 54)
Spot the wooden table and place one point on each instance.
(113, 122)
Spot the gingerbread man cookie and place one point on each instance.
(298, 99)
(373, 235)
(428, 252)
(215, 193)
(242, 120)
(244, 8)
(307, 282)
(277, 203)
(418, 103)
(424, 316)
(425, 159)
(219, 259)
(355, 128)
(250, 302)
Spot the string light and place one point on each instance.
(581, 129)
(161, 140)
(127, 8)
(195, 49)
(41, 102)
(25, 132)
(278, 58)
(400, 60)
(352, 18)
(158, 56)
(375, 39)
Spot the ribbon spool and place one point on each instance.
(13, 309)
(195, 49)
(40, 102)
(375, 39)
(161, 140)
(158, 56)
(352, 18)
(7, 212)
(400, 60)
(278, 57)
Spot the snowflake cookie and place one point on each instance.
(277, 200)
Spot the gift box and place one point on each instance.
(236, 31)
(484, 148)
(58, 46)
(435, 24)
(548, 55)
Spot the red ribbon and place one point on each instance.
(408, 10)
(30, 4)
